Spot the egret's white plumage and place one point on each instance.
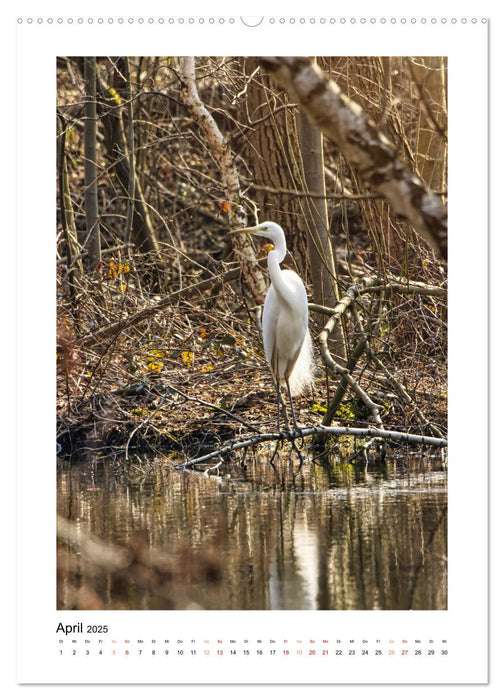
(286, 338)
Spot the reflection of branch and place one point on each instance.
(421, 563)
(95, 575)
(250, 440)
(101, 553)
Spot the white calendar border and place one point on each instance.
(37, 615)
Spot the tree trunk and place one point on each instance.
(66, 207)
(116, 144)
(323, 274)
(123, 65)
(320, 252)
(93, 245)
(428, 75)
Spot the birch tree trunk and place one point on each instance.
(125, 69)
(221, 151)
(362, 144)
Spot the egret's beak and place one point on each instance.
(251, 229)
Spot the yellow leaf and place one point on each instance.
(156, 366)
(187, 358)
(115, 96)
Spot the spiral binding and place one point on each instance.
(251, 22)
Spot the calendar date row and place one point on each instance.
(255, 652)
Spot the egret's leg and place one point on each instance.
(294, 422)
(281, 407)
(279, 398)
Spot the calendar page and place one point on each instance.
(264, 373)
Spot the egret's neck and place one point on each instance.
(280, 250)
(275, 257)
(276, 235)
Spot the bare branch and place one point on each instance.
(250, 440)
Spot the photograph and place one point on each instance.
(251, 333)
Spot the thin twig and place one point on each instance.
(144, 422)
(214, 407)
(316, 195)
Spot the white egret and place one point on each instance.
(286, 338)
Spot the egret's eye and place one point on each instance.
(267, 247)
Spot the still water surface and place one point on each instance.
(141, 535)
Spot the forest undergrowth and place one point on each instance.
(158, 344)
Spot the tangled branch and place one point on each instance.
(363, 145)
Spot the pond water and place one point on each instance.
(140, 535)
